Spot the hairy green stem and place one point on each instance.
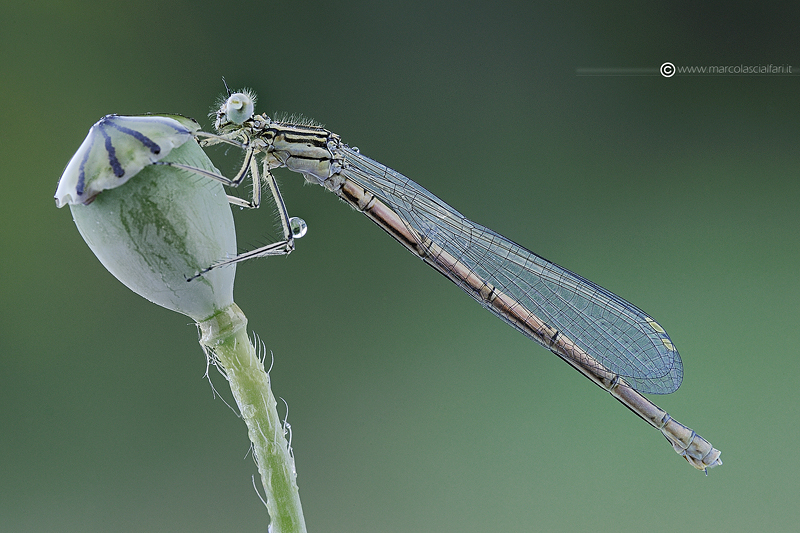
(224, 337)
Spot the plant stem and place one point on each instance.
(224, 336)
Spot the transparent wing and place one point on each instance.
(619, 335)
(116, 149)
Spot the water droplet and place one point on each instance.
(356, 149)
(298, 227)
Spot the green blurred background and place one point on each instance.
(412, 408)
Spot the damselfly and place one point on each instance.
(610, 341)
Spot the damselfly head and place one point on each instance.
(235, 109)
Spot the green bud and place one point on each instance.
(161, 227)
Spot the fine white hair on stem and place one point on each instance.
(212, 360)
(286, 416)
(255, 488)
(261, 347)
(287, 431)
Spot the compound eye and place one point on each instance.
(239, 107)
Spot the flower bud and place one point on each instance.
(161, 226)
